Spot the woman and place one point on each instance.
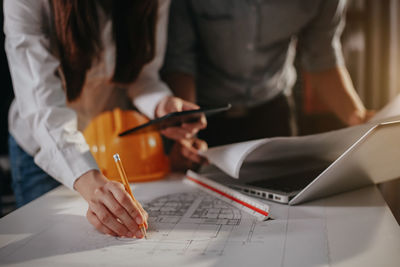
(69, 61)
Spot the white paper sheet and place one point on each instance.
(229, 158)
(186, 227)
(324, 147)
(189, 228)
(390, 110)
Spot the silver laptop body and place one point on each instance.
(373, 159)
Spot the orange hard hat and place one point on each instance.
(142, 154)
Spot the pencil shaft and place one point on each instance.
(124, 179)
(125, 182)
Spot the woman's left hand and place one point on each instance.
(171, 104)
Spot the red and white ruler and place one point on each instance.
(227, 194)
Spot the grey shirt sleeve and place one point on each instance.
(181, 46)
(319, 42)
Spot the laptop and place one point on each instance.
(373, 159)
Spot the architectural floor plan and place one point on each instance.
(186, 225)
(190, 228)
(191, 224)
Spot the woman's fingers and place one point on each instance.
(186, 130)
(120, 212)
(200, 145)
(132, 209)
(194, 127)
(175, 133)
(167, 105)
(108, 220)
(111, 209)
(92, 218)
(144, 214)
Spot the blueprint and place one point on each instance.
(190, 228)
(186, 225)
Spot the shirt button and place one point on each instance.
(250, 46)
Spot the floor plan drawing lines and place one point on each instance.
(186, 226)
(197, 223)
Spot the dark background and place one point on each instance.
(371, 44)
(6, 96)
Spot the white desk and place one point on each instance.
(351, 229)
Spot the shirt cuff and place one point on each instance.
(67, 165)
(79, 167)
(148, 101)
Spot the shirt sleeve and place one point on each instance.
(181, 47)
(319, 42)
(63, 152)
(148, 90)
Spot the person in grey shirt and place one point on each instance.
(242, 52)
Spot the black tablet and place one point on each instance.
(177, 118)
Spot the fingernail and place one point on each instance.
(139, 220)
(139, 234)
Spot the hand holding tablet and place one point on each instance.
(177, 118)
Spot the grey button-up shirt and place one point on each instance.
(242, 51)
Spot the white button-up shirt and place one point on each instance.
(40, 119)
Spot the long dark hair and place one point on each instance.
(78, 37)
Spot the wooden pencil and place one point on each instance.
(125, 182)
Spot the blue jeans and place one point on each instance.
(28, 180)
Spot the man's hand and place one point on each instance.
(335, 89)
(111, 209)
(360, 117)
(184, 154)
(187, 130)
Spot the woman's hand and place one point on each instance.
(187, 130)
(111, 209)
(184, 154)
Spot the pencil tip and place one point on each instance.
(144, 233)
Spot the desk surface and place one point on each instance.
(190, 227)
